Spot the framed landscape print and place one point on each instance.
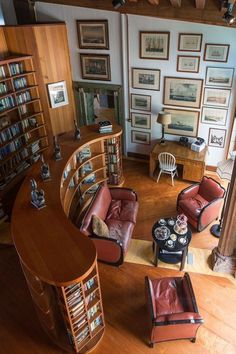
(141, 120)
(222, 77)
(95, 67)
(216, 97)
(216, 137)
(154, 45)
(216, 52)
(188, 63)
(215, 116)
(190, 42)
(58, 94)
(183, 122)
(139, 137)
(93, 34)
(182, 92)
(141, 102)
(146, 79)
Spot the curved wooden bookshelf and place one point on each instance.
(60, 263)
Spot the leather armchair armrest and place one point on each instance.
(109, 250)
(189, 192)
(209, 213)
(123, 194)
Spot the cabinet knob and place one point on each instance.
(128, 119)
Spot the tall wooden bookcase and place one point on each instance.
(23, 133)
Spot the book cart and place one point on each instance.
(22, 128)
(60, 263)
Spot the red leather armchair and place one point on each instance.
(201, 202)
(173, 310)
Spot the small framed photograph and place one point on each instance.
(216, 137)
(140, 137)
(154, 45)
(58, 94)
(146, 79)
(183, 122)
(216, 116)
(188, 63)
(93, 34)
(95, 67)
(141, 102)
(216, 97)
(141, 120)
(190, 42)
(182, 92)
(222, 77)
(216, 52)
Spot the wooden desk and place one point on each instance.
(193, 162)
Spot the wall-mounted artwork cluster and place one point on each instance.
(184, 97)
(93, 34)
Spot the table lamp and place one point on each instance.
(163, 118)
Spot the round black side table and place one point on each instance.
(178, 251)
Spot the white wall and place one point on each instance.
(69, 14)
(118, 33)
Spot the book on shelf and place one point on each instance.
(16, 68)
(6, 102)
(20, 83)
(3, 88)
(82, 335)
(2, 72)
(96, 323)
(89, 284)
(89, 179)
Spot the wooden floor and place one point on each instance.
(123, 292)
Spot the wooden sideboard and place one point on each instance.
(60, 263)
(193, 162)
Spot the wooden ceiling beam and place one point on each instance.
(175, 3)
(200, 4)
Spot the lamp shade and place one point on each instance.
(225, 168)
(164, 118)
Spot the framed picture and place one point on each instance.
(188, 63)
(146, 79)
(93, 34)
(216, 97)
(141, 102)
(95, 67)
(190, 42)
(141, 120)
(183, 122)
(216, 137)
(222, 77)
(215, 116)
(182, 92)
(58, 94)
(216, 52)
(154, 45)
(139, 137)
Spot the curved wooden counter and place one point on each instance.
(51, 249)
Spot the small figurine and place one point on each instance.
(77, 131)
(37, 196)
(57, 149)
(45, 173)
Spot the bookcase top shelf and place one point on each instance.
(47, 242)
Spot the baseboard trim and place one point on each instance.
(137, 157)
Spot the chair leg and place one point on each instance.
(193, 340)
(159, 176)
(176, 171)
(172, 179)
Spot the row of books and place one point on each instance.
(89, 179)
(89, 284)
(20, 83)
(105, 126)
(86, 168)
(23, 97)
(83, 154)
(112, 149)
(82, 335)
(11, 173)
(93, 310)
(113, 168)
(3, 88)
(114, 178)
(2, 72)
(96, 323)
(113, 158)
(9, 133)
(6, 102)
(16, 68)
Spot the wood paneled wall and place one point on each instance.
(49, 47)
(3, 44)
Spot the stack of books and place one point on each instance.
(105, 126)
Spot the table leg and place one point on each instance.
(156, 253)
(184, 254)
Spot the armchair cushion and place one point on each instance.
(99, 227)
(193, 205)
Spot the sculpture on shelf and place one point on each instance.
(37, 196)
(77, 131)
(57, 149)
(45, 172)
